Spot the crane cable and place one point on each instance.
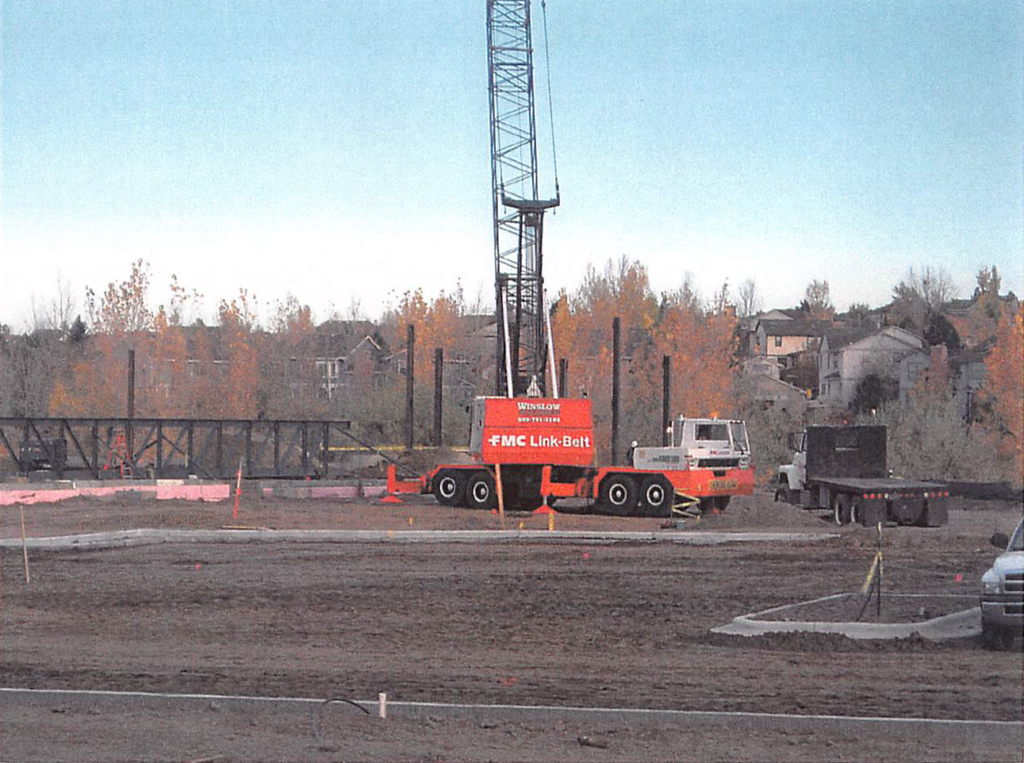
(547, 71)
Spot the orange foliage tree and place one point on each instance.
(1004, 387)
(699, 340)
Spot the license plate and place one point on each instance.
(723, 484)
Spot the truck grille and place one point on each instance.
(717, 463)
(1014, 582)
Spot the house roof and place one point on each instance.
(842, 337)
(839, 338)
(794, 327)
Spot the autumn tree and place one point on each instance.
(1004, 388)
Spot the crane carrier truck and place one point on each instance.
(543, 451)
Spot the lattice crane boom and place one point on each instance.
(518, 213)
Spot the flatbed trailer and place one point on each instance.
(815, 480)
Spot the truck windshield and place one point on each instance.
(713, 432)
(739, 436)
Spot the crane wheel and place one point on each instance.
(481, 492)
(656, 496)
(618, 495)
(449, 487)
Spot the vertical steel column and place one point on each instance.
(616, 358)
(220, 449)
(305, 450)
(563, 377)
(666, 398)
(410, 357)
(128, 433)
(190, 467)
(277, 448)
(58, 456)
(159, 448)
(94, 432)
(248, 449)
(438, 393)
(325, 461)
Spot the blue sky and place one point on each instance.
(338, 151)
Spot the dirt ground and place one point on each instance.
(595, 625)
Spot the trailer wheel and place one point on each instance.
(449, 487)
(618, 494)
(857, 511)
(841, 509)
(480, 491)
(656, 494)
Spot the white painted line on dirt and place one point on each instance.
(125, 538)
(957, 725)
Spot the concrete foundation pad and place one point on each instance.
(963, 624)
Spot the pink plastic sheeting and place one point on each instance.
(159, 492)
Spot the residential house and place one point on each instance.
(966, 371)
(847, 356)
(761, 380)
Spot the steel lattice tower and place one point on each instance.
(518, 213)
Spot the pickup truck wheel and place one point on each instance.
(721, 502)
(841, 509)
(656, 494)
(449, 487)
(618, 494)
(480, 491)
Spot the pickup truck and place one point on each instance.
(1002, 592)
(842, 469)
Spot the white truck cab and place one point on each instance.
(794, 474)
(699, 444)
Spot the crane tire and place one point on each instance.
(618, 495)
(656, 496)
(480, 491)
(449, 487)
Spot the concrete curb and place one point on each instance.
(125, 538)
(963, 624)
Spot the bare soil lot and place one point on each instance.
(597, 625)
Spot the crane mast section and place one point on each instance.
(517, 213)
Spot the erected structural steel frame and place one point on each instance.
(209, 448)
(517, 213)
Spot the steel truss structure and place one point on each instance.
(517, 212)
(164, 448)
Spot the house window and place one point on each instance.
(778, 341)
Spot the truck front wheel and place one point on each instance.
(618, 494)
